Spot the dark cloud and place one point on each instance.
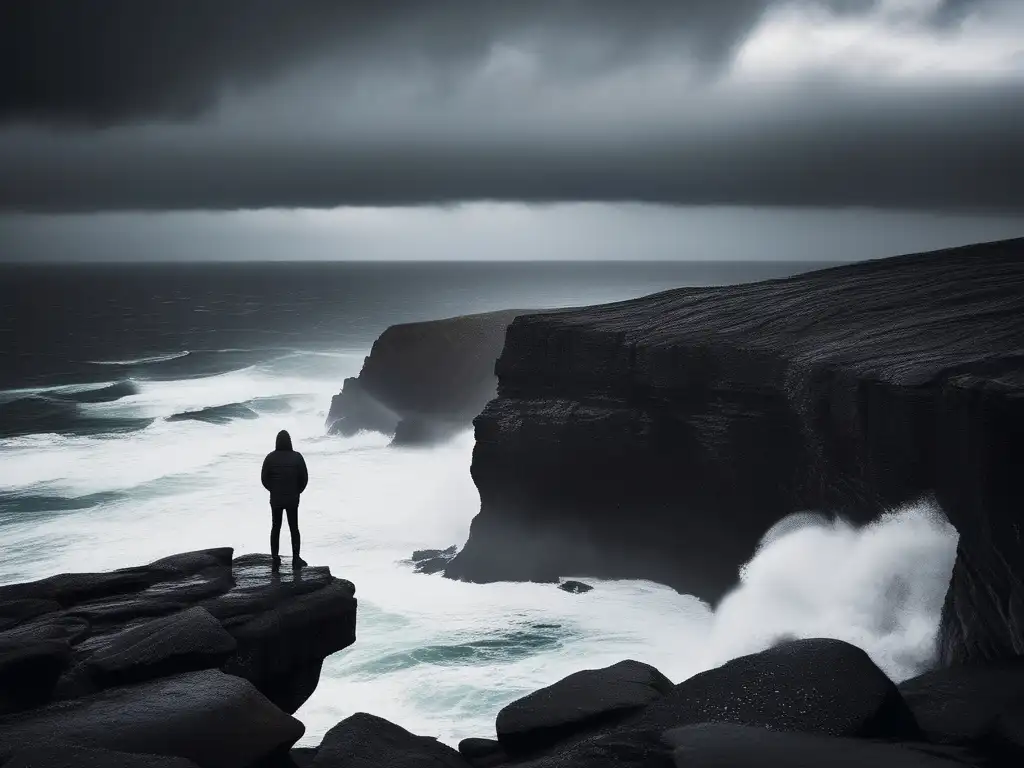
(104, 62)
(230, 104)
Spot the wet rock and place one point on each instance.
(184, 612)
(964, 705)
(367, 741)
(819, 686)
(182, 642)
(483, 753)
(574, 587)
(29, 672)
(214, 719)
(583, 701)
(68, 756)
(729, 745)
(430, 554)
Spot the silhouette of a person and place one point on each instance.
(285, 476)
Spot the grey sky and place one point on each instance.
(907, 106)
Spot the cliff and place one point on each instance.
(660, 437)
(200, 655)
(423, 381)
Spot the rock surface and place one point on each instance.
(584, 700)
(661, 437)
(423, 382)
(66, 756)
(73, 635)
(815, 686)
(214, 719)
(367, 741)
(726, 745)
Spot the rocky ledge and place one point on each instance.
(197, 656)
(802, 704)
(423, 382)
(661, 437)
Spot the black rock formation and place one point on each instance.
(367, 741)
(74, 635)
(574, 587)
(661, 437)
(423, 382)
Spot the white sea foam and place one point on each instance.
(144, 360)
(436, 656)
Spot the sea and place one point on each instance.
(137, 402)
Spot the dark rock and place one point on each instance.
(483, 753)
(29, 672)
(68, 756)
(433, 565)
(188, 611)
(302, 757)
(963, 705)
(213, 719)
(423, 382)
(821, 686)
(285, 624)
(181, 642)
(430, 554)
(728, 745)
(617, 749)
(852, 389)
(15, 612)
(367, 741)
(582, 701)
(574, 587)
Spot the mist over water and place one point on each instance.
(438, 657)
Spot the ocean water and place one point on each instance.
(137, 403)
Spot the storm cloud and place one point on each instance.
(188, 105)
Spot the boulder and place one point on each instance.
(368, 741)
(965, 704)
(214, 719)
(729, 745)
(483, 753)
(67, 756)
(818, 686)
(574, 587)
(583, 701)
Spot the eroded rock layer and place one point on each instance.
(660, 437)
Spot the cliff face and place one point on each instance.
(423, 381)
(660, 438)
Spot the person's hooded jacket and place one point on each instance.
(284, 472)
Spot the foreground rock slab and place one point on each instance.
(74, 635)
(212, 718)
(65, 756)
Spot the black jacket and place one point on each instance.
(284, 473)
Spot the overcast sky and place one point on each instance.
(817, 129)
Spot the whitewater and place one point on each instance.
(436, 656)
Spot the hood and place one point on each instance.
(284, 441)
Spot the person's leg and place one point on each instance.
(293, 528)
(276, 513)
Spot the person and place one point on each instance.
(285, 476)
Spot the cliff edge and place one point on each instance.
(424, 381)
(660, 437)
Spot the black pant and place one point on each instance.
(276, 511)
